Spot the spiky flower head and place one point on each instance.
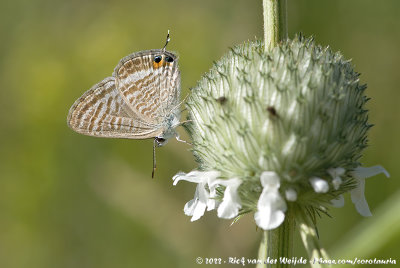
(275, 129)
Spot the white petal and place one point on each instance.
(228, 209)
(197, 206)
(358, 198)
(271, 208)
(366, 172)
(336, 172)
(269, 221)
(291, 195)
(190, 206)
(201, 192)
(191, 177)
(196, 176)
(231, 203)
(195, 209)
(338, 202)
(319, 185)
(337, 181)
(357, 194)
(212, 203)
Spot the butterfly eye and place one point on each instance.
(169, 59)
(157, 59)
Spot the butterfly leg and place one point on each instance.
(154, 159)
(178, 139)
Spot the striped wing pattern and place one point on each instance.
(102, 112)
(134, 103)
(151, 90)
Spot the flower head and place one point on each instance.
(276, 128)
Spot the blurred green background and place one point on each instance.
(68, 200)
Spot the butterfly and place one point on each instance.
(139, 101)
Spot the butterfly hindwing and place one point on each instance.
(102, 112)
(150, 88)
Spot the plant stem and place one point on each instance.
(275, 25)
(311, 241)
(277, 244)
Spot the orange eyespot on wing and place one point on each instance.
(149, 82)
(158, 61)
(162, 61)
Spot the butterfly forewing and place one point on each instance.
(102, 112)
(150, 88)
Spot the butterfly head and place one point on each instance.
(168, 129)
(160, 141)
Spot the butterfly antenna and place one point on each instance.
(154, 159)
(166, 42)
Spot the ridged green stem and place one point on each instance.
(275, 26)
(277, 245)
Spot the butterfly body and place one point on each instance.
(139, 101)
